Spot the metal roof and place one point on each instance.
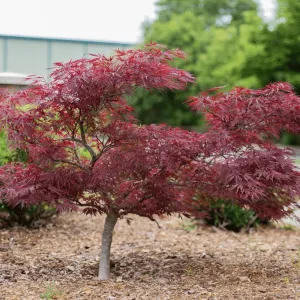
(67, 40)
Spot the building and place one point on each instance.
(36, 55)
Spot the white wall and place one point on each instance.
(36, 55)
(64, 52)
(27, 57)
(1, 55)
(100, 49)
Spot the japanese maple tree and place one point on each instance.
(87, 150)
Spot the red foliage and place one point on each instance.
(86, 148)
(245, 164)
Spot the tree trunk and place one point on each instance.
(104, 267)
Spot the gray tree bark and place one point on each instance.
(104, 267)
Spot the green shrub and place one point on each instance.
(290, 139)
(24, 216)
(230, 216)
(18, 215)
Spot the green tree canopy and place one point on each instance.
(217, 36)
(228, 44)
(281, 60)
(213, 11)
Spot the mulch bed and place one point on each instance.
(176, 261)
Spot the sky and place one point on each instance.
(104, 20)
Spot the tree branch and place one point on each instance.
(70, 162)
(85, 144)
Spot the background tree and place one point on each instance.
(217, 36)
(214, 12)
(228, 43)
(86, 149)
(230, 49)
(279, 60)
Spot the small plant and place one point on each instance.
(227, 215)
(286, 280)
(189, 271)
(51, 292)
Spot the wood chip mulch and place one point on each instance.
(176, 261)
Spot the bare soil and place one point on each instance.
(176, 261)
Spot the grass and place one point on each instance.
(288, 227)
(189, 226)
(286, 280)
(52, 292)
